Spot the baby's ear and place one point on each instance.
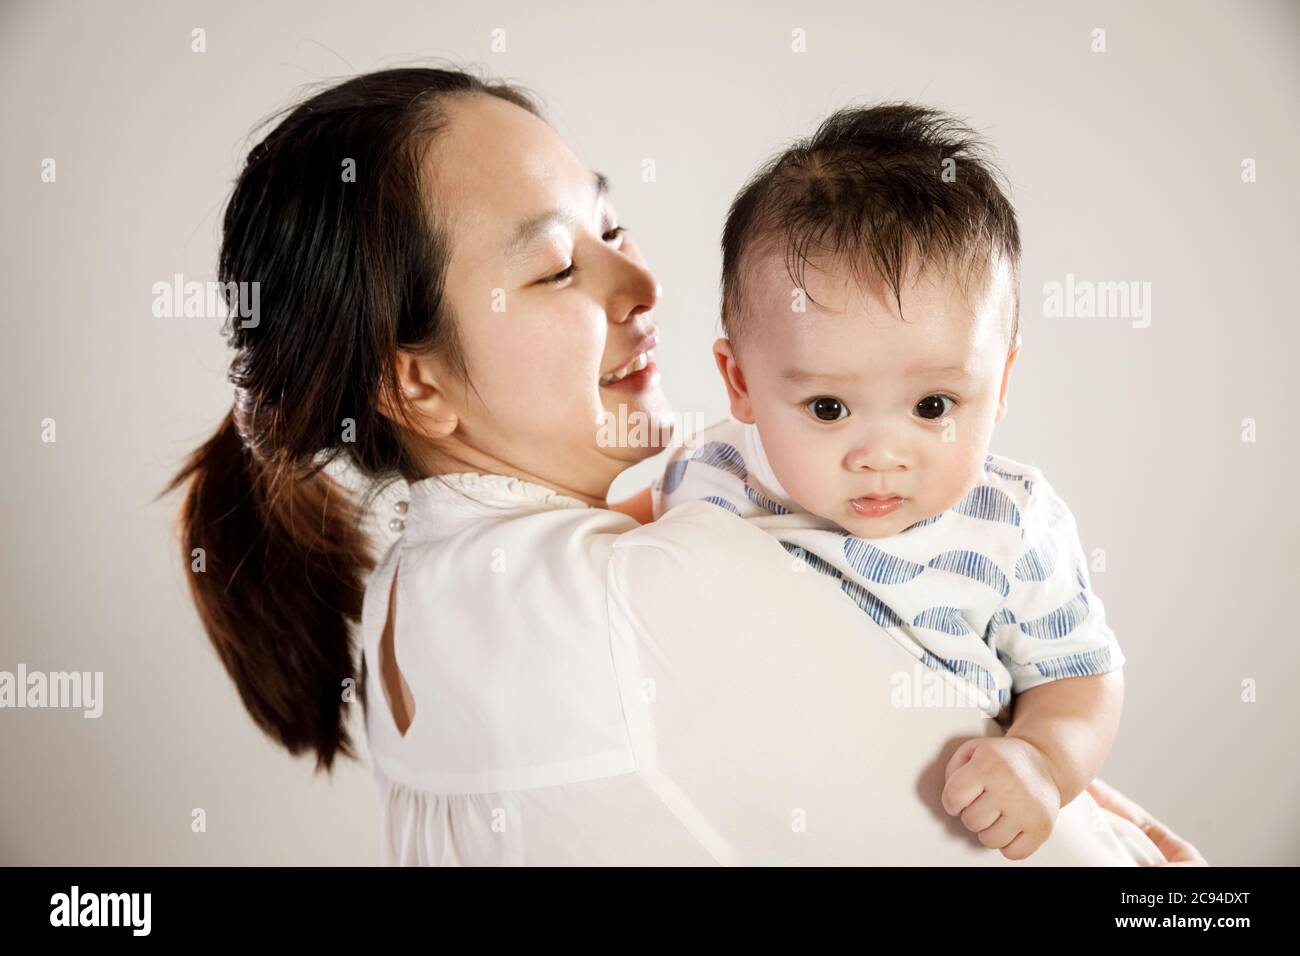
(734, 379)
(1006, 378)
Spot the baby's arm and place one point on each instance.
(1073, 723)
(1009, 789)
(1068, 686)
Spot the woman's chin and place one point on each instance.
(639, 425)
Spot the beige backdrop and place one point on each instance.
(1126, 166)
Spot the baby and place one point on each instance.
(871, 314)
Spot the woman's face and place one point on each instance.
(551, 301)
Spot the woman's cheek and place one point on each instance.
(565, 365)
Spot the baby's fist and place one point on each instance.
(1005, 792)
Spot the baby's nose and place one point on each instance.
(882, 451)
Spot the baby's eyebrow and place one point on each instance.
(940, 370)
(801, 377)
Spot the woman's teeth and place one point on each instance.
(638, 363)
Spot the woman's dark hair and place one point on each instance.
(327, 218)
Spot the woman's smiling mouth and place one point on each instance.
(637, 370)
(639, 374)
(623, 371)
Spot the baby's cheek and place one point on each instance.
(800, 482)
(806, 480)
(962, 475)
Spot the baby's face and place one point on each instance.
(868, 420)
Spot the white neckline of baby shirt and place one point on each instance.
(761, 470)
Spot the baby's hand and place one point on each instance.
(1005, 792)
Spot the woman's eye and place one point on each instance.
(828, 409)
(564, 273)
(561, 275)
(934, 407)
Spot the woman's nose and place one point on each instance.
(635, 289)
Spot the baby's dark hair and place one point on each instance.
(881, 190)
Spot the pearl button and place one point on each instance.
(401, 506)
(397, 524)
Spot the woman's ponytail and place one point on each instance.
(277, 569)
(332, 261)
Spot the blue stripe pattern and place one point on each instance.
(876, 565)
(818, 564)
(1002, 617)
(1082, 664)
(876, 608)
(967, 670)
(722, 503)
(945, 619)
(973, 565)
(989, 504)
(1039, 562)
(721, 455)
(764, 502)
(1059, 623)
(995, 470)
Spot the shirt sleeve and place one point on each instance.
(1052, 625)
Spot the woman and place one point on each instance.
(447, 297)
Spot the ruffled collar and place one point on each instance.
(473, 490)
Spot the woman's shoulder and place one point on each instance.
(701, 562)
(528, 576)
(500, 631)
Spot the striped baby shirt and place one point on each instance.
(994, 592)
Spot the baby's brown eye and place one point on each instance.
(828, 409)
(933, 407)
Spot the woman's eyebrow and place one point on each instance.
(531, 228)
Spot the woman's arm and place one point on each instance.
(640, 507)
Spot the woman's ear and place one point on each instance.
(1006, 378)
(734, 379)
(425, 404)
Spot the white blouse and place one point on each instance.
(590, 691)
